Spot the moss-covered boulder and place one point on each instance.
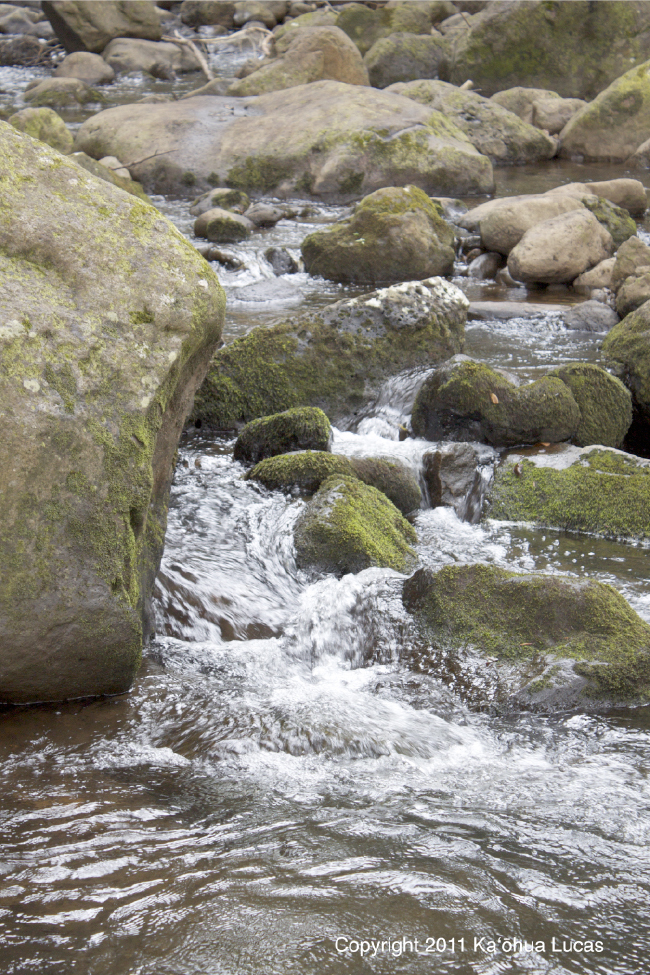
(605, 404)
(84, 25)
(335, 360)
(466, 400)
(222, 226)
(224, 198)
(627, 348)
(46, 126)
(326, 140)
(616, 220)
(366, 26)
(109, 320)
(307, 470)
(395, 234)
(404, 57)
(589, 489)
(349, 526)
(310, 54)
(201, 13)
(615, 123)
(548, 639)
(303, 428)
(497, 133)
(531, 43)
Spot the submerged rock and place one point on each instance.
(303, 428)
(60, 92)
(109, 321)
(591, 489)
(349, 526)
(325, 139)
(395, 234)
(467, 401)
(335, 359)
(591, 316)
(537, 639)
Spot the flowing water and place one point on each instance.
(281, 792)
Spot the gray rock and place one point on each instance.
(405, 57)
(453, 477)
(591, 316)
(87, 67)
(552, 114)
(281, 260)
(264, 214)
(485, 266)
(83, 25)
(158, 58)
(222, 226)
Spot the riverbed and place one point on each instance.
(280, 792)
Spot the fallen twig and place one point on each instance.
(185, 42)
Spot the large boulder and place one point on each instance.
(395, 234)
(44, 124)
(310, 54)
(366, 26)
(162, 59)
(627, 347)
(531, 43)
(109, 321)
(550, 640)
(605, 404)
(497, 133)
(304, 428)
(468, 401)
(335, 359)
(405, 57)
(85, 25)
(503, 226)
(87, 67)
(349, 526)
(589, 489)
(558, 250)
(615, 123)
(325, 139)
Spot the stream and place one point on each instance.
(280, 793)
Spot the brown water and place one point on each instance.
(279, 787)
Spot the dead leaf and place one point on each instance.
(494, 397)
(545, 444)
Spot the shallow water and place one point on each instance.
(280, 778)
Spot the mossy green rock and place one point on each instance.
(605, 404)
(588, 489)
(46, 126)
(404, 57)
(615, 123)
(304, 428)
(365, 26)
(615, 219)
(496, 132)
(335, 360)
(109, 319)
(222, 226)
(349, 526)
(395, 234)
(580, 639)
(306, 471)
(627, 347)
(466, 400)
(532, 44)
(61, 92)
(325, 140)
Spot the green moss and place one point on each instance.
(257, 173)
(603, 493)
(305, 471)
(296, 429)
(394, 480)
(188, 178)
(516, 617)
(604, 402)
(349, 526)
(349, 184)
(614, 219)
(143, 317)
(309, 362)
(627, 346)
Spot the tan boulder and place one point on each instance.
(598, 277)
(503, 228)
(558, 250)
(521, 100)
(159, 58)
(631, 255)
(89, 68)
(86, 25)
